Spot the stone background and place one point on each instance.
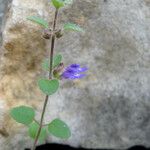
(3, 9)
(110, 108)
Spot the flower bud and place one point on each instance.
(47, 33)
(58, 34)
(58, 70)
(60, 67)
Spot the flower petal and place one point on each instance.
(73, 72)
(79, 76)
(67, 75)
(77, 70)
(82, 69)
(74, 66)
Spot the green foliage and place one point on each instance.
(38, 20)
(59, 129)
(73, 27)
(23, 114)
(57, 60)
(33, 130)
(60, 3)
(48, 87)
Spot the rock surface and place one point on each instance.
(107, 109)
(22, 51)
(3, 6)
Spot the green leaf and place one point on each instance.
(73, 27)
(38, 20)
(57, 60)
(23, 114)
(33, 130)
(59, 129)
(58, 3)
(45, 65)
(48, 87)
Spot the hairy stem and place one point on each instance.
(50, 77)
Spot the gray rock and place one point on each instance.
(3, 4)
(110, 107)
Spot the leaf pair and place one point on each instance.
(25, 115)
(57, 128)
(67, 26)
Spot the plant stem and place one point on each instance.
(50, 77)
(36, 121)
(41, 122)
(53, 45)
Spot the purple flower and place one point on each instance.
(74, 71)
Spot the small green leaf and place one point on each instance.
(48, 87)
(57, 60)
(58, 3)
(59, 129)
(33, 130)
(38, 20)
(23, 114)
(45, 65)
(73, 27)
